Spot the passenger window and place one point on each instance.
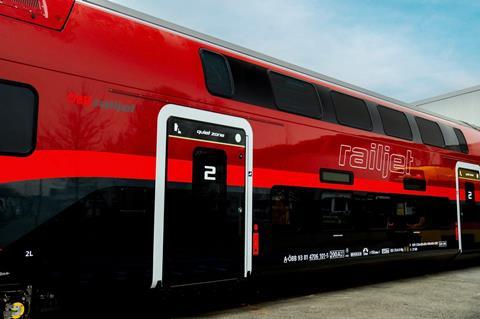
(336, 210)
(18, 118)
(306, 210)
(395, 123)
(463, 146)
(430, 132)
(295, 96)
(351, 111)
(217, 74)
(450, 138)
(281, 208)
(251, 83)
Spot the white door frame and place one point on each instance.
(165, 113)
(457, 189)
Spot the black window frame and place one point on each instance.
(287, 110)
(232, 83)
(421, 135)
(339, 121)
(33, 143)
(382, 107)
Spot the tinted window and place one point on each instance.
(395, 123)
(18, 112)
(213, 190)
(449, 137)
(84, 206)
(430, 132)
(251, 83)
(470, 213)
(461, 140)
(351, 111)
(217, 74)
(307, 210)
(295, 96)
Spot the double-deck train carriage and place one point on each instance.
(140, 154)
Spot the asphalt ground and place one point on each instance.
(414, 289)
(454, 294)
(410, 290)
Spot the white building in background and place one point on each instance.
(463, 105)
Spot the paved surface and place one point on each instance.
(449, 294)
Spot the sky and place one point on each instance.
(405, 49)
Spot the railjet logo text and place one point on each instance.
(377, 158)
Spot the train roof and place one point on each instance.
(447, 95)
(260, 56)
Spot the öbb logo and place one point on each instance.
(377, 158)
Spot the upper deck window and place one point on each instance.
(251, 83)
(430, 132)
(217, 74)
(463, 146)
(395, 123)
(18, 117)
(295, 96)
(450, 137)
(351, 111)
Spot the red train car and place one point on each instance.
(140, 154)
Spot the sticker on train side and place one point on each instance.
(365, 252)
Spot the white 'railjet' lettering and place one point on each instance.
(378, 158)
